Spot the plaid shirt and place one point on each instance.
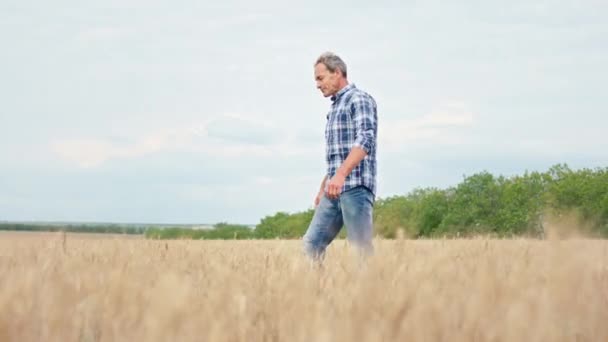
(352, 121)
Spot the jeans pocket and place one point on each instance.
(358, 197)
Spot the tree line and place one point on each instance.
(482, 204)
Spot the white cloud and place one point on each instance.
(88, 153)
(92, 152)
(235, 20)
(229, 136)
(241, 129)
(441, 126)
(102, 33)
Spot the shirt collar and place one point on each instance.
(342, 91)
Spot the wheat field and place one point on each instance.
(75, 287)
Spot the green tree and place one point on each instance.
(391, 214)
(431, 208)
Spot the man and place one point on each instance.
(347, 192)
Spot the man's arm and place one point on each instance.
(321, 191)
(365, 122)
(323, 183)
(355, 156)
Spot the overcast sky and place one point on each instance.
(201, 112)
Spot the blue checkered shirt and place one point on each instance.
(352, 121)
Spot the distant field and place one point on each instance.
(111, 288)
(4, 234)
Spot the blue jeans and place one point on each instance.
(352, 209)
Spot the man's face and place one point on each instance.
(327, 82)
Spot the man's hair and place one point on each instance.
(332, 62)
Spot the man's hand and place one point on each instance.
(355, 156)
(335, 186)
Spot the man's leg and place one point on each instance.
(325, 225)
(357, 209)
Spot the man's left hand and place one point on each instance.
(335, 186)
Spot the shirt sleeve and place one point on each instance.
(364, 115)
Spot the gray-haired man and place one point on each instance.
(347, 192)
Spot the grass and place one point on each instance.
(78, 288)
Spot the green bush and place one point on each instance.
(481, 204)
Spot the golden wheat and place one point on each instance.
(77, 288)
